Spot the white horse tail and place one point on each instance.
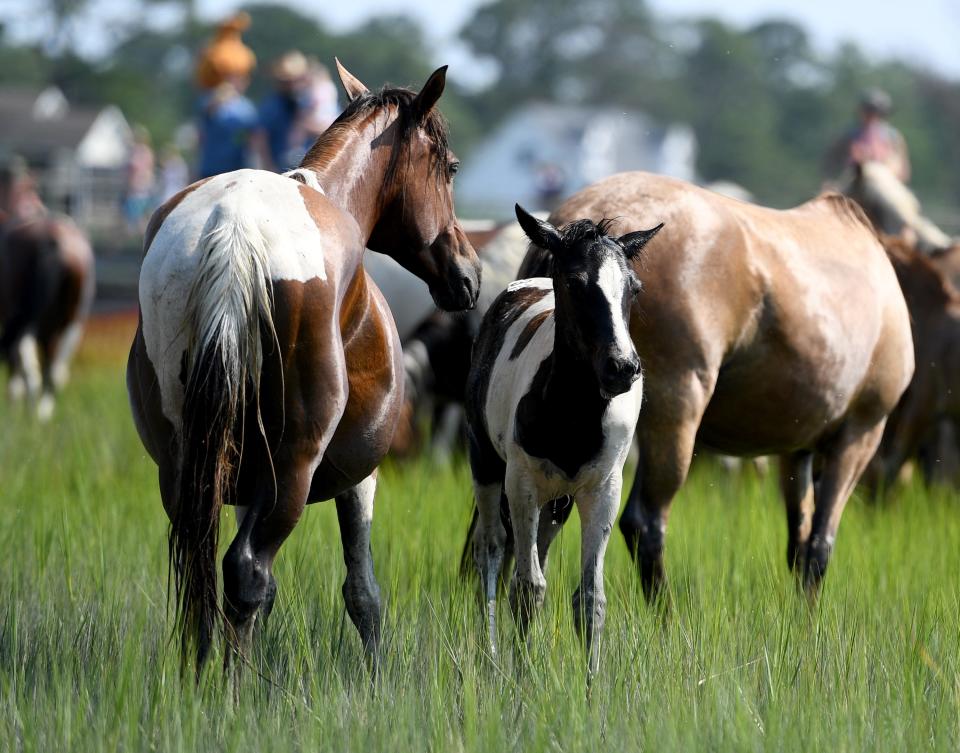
(228, 312)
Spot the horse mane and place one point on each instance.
(329, 143)
(539, 262)
(847, 208)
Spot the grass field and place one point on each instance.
(86, 660)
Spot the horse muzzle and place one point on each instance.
(617, 374)
(459, 289)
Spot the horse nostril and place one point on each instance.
(469, 285)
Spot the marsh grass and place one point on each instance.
(738, 663)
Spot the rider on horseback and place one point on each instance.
(874, 139)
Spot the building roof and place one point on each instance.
(41, 124)
(571, 145)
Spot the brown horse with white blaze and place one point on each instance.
(46, 289)
(266, 372)
(760, 332)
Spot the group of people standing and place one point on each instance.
(234, 132)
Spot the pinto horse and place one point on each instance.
(761, 332)
(555, 354)
(46, 288)
(266, 371)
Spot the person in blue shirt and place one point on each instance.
(283, 109)
(228, 130)
(228, 121)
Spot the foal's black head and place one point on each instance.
(594, 286)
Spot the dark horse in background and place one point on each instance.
(266, 371)
(46, 288)
(760, 332)
(924, 423)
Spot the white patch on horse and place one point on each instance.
(611, 280)
(306, 176)
(529, 282)
(510, 379)
(28, 355)
(60, 368)
(251, 221)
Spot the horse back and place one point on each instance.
(330, 353)
(793, 313)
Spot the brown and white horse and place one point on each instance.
(266, 371)
(760, 332)
(46, 288)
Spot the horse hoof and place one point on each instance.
(16, 388)
(45, 408)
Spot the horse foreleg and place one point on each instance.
(666, 433)
(63, 354)
(796, 485)
(843, 463)
(361, 593)
(661, 471)
(26, 379)
(598, 510)
(529, 586)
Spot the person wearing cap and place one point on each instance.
(228, 121)
(874, 139)
(282, 109)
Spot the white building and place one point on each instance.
(544, 148)
(79, 153)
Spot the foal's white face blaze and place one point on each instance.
(613, 281)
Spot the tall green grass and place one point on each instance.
(739, 663)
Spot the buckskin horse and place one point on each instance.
(760, 332)
(266, 370)
(46, 288)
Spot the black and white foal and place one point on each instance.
(552, 402)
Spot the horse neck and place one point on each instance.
(351, 170)
(570, 377)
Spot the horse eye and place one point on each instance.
(453, 167)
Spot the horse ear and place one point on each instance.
(633, 242)
(541, 233)
(353, 86)
(430, 93)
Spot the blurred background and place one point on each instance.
(99, 98)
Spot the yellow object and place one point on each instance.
(226, 55)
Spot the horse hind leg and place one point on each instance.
(844, 461)
(249, 587)
(361, 593)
